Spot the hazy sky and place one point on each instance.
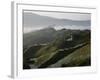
(35, 22)
(67, 15)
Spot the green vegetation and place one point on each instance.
(62, 48)
(79, 57)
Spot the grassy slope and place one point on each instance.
(77, 58)
(49, 55)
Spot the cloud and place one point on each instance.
(61, 15)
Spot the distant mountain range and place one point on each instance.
(35, 20)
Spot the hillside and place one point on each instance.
(38, 37)
(80, 57)
(62, 48)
